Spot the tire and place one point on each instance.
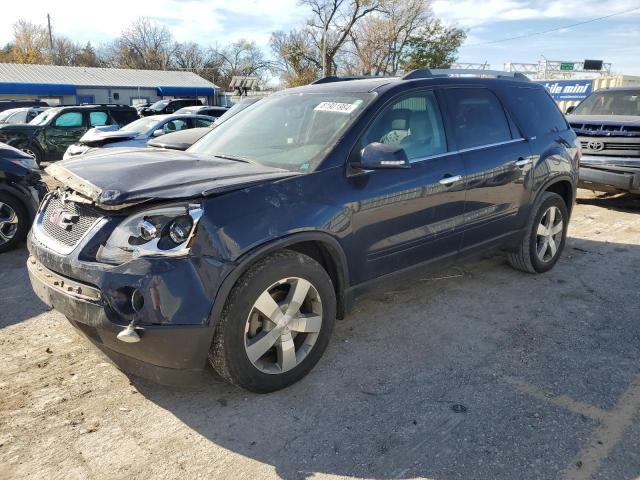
(14, 221)
(34, 151)
(527, 258)
(242, 325)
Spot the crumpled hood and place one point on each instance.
(96, 137)
(119, 177)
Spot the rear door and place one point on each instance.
(404, 217)
(66, 128)
(496, 159)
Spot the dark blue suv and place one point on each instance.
(243, 250)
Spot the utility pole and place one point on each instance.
(50, 37)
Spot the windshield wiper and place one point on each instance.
(235, 159)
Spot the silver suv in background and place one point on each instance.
(608, 126)
(21, 115)
(137, 133)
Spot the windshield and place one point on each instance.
(44, 117)
(610, 103)
(293, 131)
(140, 126)
(6, 114)
(159, 105)
(236, 108)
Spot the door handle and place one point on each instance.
(521, 162)
(450, 180)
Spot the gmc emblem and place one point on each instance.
(63, 219)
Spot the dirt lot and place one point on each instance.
(487, 373)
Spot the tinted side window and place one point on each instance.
(202, 122)
(175, 125)
(69, 119)
(477, 117)
(535, 111)
(412, 123)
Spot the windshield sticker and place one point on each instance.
(336, 107)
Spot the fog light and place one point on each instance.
(137, 300)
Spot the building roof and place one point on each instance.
(98, 77)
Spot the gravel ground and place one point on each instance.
(478, 372)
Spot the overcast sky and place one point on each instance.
(615, 40)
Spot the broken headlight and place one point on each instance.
(162, 231)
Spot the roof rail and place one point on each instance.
(455, 72)
(335, 78)
(92, 105)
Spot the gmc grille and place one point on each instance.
(83, 218)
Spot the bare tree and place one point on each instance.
(190, 56)
(380, 40)
(332, 22)
(144, 44)
(241, 58)
(65, 51)
(297, 59)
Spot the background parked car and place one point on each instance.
(183, 140)
(205, 110)
(138, 133)
(140, 106)
(608, 126)
(179, 140)
(168, 106)
(21, 115)
(7, 104)
(48, 136)
(21, 190)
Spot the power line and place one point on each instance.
(533, 34)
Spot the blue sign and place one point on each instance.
(568, 89)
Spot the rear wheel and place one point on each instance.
(14, 221)
(545, 236)
(276, 323)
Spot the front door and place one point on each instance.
(405, 217)
(64, 130)
(496, 160)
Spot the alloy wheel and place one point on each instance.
(283, 325)
(549, 234)
(8, 223)
(29, 152)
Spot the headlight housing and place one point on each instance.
(28, 163)
(166, 230)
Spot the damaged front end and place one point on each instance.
(132, 281)
(121, 251)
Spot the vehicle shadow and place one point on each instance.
(623, 202)
(17, 300)
(421, 379)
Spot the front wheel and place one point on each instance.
(545, 236)
(276, 323)
(14, 221)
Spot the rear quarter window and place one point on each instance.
(124, 117)
(477, 116)
(535, 111)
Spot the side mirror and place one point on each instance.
(158, 132)
(378, 156)
(570, 109)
